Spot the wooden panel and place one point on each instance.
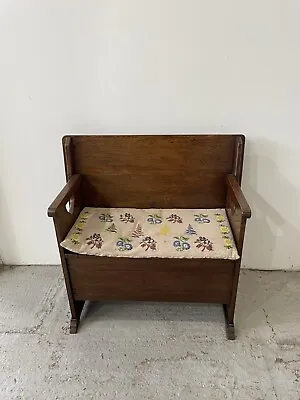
(99, 278)
(176, 171)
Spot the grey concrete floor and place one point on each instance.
(148, 350)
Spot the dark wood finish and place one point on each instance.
(153, 171)
(239, 157)
(238, 210)
(67, 147)
(179, 171)
(230, 330)
(100, 278)
(63, 221)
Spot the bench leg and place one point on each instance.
(229, 309)
(229, 320)
(75, 320)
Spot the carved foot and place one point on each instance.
(74, 325)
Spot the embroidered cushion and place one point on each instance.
(165, 233)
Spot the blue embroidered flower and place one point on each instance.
(154, 219)
(106, 218)
(124, 244)
(181, 243)
(202, 218)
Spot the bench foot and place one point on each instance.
(75, 320)
(74, 325)
(230, 332)
(230, 329)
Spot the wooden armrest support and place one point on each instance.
(238, 211)
(65, 195)
(238, 196)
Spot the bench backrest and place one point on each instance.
(168, 171)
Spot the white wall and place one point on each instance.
(149, 66)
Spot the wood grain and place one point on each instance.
(102, 278)
(154, 171)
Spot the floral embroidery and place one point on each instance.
(127, 217)
(175, 218)
(106, 218)
(181, 243)
(79, 227)
(154, 219)
(124, 244)
(198, 233)
(138, 232)
(165, 230)
(95, 240)
(190, 230)
(83, 217)
(75, 238)
(148, 243)
(220, 217)
(203, 243)
(202, 218)
(112, 228)
(228, 243)
(224, 230)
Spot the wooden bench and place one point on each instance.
(151, 172)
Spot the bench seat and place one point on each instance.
(148, 233)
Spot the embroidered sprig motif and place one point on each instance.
(219, 217)
(95, 240)
(228, 243)
(202, 218)
(204, 244)
(79, 227)
(181, 243)
(154, 219)
(106, 218)
(75, 239)
(112, 228)
(127, 217)
(84, 216)
(165, 230)
(138, 232)
(148, 243)
(225, 231)
(175, 218)
(123, 244)
(190, 230)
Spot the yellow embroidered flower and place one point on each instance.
(228, 243)
(84, 215)
(80, 225)
(224, 230)
(220, 218)
(75, 238)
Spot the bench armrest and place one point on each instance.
(235, 192)
(238, 211)
(65, 195)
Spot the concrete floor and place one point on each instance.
(148, 350)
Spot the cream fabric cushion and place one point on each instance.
(165, 233)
